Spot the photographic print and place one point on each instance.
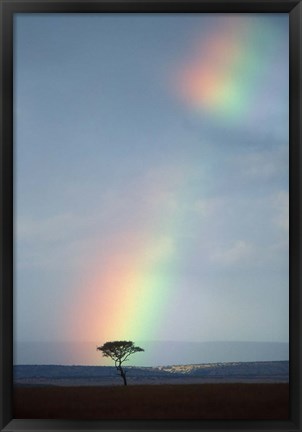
(150, 211)
(151, 216)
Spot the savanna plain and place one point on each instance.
(249, 401)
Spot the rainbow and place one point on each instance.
(228, 74)
(126, 293)
(131, 283)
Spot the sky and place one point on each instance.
(151, 178)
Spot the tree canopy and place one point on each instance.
(119, 351)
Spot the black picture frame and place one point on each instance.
(7, 9)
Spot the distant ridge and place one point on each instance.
(107, 375)
(156, 353)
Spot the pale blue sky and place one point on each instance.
(104, 145)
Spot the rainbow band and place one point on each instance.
(229, 70)
(128, 292)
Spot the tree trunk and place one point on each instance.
(123, 373)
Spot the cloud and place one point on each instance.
(163, 248)
(237, 252)
(49, 229)
(209, 206)
(54, 242)
(263, 165)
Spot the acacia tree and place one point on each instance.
(119, 351)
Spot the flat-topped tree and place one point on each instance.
(119, 351)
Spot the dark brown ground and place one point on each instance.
(197, 401)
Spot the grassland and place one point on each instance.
(196, 401)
